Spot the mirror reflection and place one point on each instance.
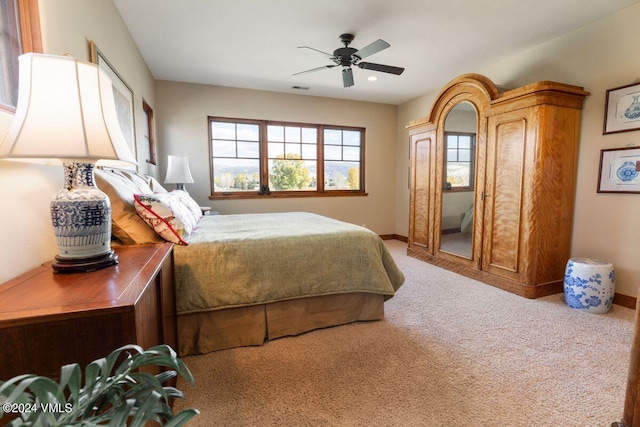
(458, 194)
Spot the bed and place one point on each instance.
(244, 279)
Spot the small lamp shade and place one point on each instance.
(178, 171)
(66, 113)
(65, 110)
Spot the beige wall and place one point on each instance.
(26, 190)
(597, 57)
(182, 130)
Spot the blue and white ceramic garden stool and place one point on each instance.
(589, 285)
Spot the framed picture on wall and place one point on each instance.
(622, 109)
(123, 96)
(619, 170)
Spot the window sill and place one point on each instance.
(458, 190)
(288, 195)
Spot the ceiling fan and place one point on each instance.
(346, 57)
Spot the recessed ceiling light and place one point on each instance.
(372, 78)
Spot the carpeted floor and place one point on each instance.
(451, 352)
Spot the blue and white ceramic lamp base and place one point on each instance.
(589, 285)
(81, 218)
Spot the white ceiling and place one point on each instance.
(253, 43)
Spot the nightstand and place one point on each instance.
(206, 210)
(48, 320)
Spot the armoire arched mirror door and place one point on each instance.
(492, 182)
(458, 180)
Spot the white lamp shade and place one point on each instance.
(65, 110)
(178, 170)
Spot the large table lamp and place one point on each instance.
(66, 114)
(178, 172)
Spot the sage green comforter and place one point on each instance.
(248, 259)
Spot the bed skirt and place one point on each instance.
(200, 333)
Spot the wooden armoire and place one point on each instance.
(514, 231)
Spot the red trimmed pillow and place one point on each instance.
(167, 215)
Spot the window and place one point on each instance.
(342, 153)
(253, 158)
(149, 133)
(460, 160)
(19, 33)
(292, 152)
(10, 47)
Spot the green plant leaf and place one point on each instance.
(145, 409)
(71, 379)
(114, 395)
(41, 386)
(173, 392)
(120, 417)
(182, 418)
(165, 376)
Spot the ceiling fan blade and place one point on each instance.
(379, 67)
(374, 47)
(315, 69)
(319, 51)
(347, 77)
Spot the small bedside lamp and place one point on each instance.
(178, 172)
(66, 114)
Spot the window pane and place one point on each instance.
(452, 141)
(275, 133)
(292, 149)
(309, 135)
(452, 155)
(249, 149)
(351, 137)
(332, 136)
(464, 141)
(341, 176)
(332, 152)
(11, 49)
(224, 148)
(458, 174)
(236, 175)
(464, 155)
(248, 132)
(276, 149)
(309, 151)
(223, 130)
(351, 153)
(291, 175)
(292, 134)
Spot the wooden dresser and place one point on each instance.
(48, 320)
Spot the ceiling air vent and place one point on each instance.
(300, 87)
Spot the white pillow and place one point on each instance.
(191, 204)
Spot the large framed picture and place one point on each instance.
(619, 170)
(123, 96)
(622, 109)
